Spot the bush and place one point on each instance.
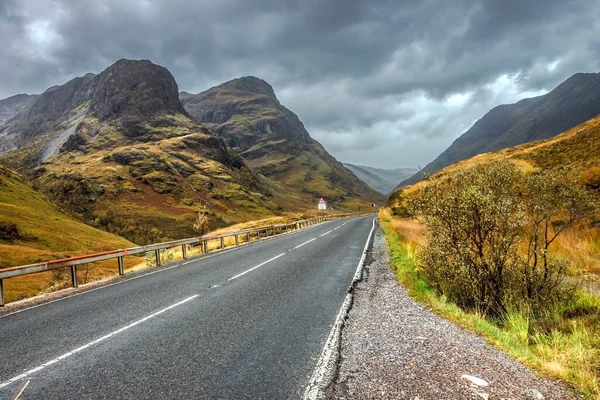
(9, 231)
(474, 220)
(479, 218)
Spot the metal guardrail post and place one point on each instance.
(248, 237)
(74, 275)
(184, 251)
(222, 242)
(120, 263)
(1, 294)
(157, 256)
(206, 246)
(236, 240)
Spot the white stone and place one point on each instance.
(533, 394)
(475, 380)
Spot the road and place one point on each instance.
(247, 323)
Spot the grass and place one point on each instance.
(563, 344)
(45, 232)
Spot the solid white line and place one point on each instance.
(85, 346)
(300, 245)
(325, 370)
(259, 265)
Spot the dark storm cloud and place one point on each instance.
(370, 79)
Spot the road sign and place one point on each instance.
(322, 204)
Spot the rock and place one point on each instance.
(533, 394)
(475, 380)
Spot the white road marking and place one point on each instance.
(85, 346)
(259, 265)
(307, 242)
(326, 233)
(324, 372)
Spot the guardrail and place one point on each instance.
(202, 241)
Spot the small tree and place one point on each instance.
(474, 220)
(553, 203)
(201, 223)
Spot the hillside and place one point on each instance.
(118, 150)
(382, 180)
(33, 229)
(13, 105)
(576, 150)
(247, 114)
(573, 102)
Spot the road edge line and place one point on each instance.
(326, 368)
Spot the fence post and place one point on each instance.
(248, 237)
(222, 242)
(236, 240)
(206, 246)
(157, 256)
(1, 294)
(120, 263)
(184, 251)
(74, 275)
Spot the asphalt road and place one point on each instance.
(248, 323)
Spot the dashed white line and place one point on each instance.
(307, 242)
(259, 265)
(85, 346)
(326, 233)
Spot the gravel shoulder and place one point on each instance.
(394, 348)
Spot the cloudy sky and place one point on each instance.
(381, 83)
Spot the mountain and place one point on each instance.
(574, 101)
(119, 151)
(13, 105)
(247, 114)
(576, 151)
(382, 180)
(33, 229)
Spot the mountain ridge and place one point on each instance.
(119, 151)
(248, 115)
(572, 102)
(380, 179)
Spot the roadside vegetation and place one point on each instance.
(490, 246)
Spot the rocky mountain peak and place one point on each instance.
(133, 88)
(251, 84)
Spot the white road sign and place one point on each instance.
(322, 204)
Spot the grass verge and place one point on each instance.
(563, 344)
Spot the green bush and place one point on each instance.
(479, 218)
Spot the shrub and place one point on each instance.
(479, 218)
(9, 231)
(474, 220)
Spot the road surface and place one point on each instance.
(248, 323)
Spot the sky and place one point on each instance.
(380, 83)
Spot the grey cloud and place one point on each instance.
(377, 74)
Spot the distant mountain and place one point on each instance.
(118, 150)
(13, 105)
(247, 114)
(382, 180)
(574, 101)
